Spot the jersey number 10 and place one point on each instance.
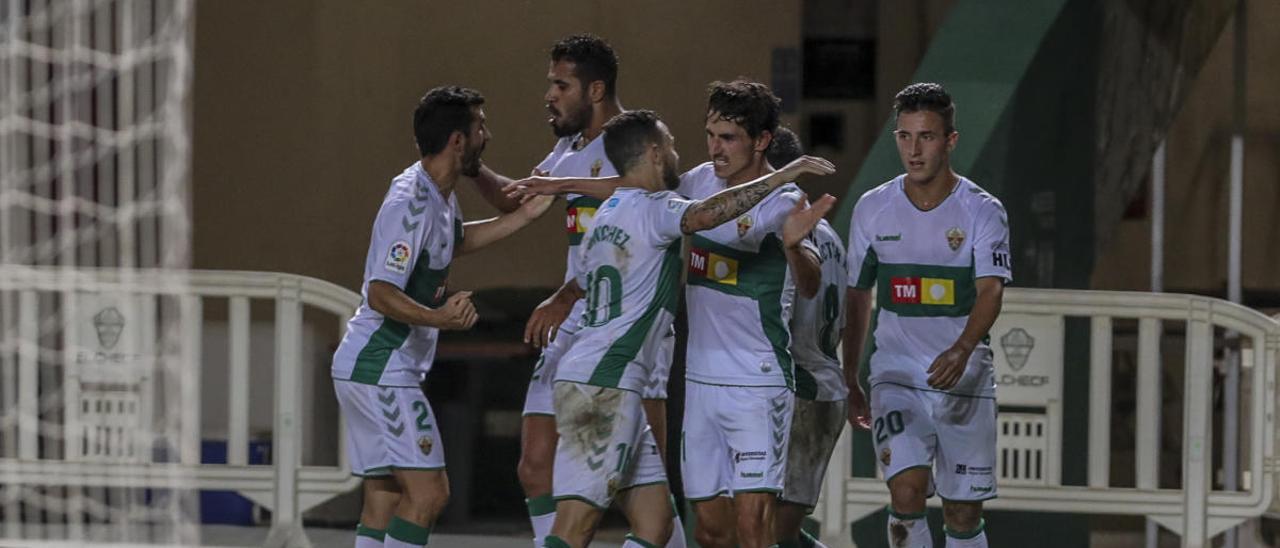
(605, 283)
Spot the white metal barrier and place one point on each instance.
(100, 410)
(1195, 509)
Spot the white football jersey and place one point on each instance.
(740, 292)
(923, 265)
(589, 161)
(817, 323)
(414, 237)
(629, 267)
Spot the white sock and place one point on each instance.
(542, 515)
(677, 533)
(968, 540)
(365, 541)
(397, 543)
(542, 527)
(909, 530)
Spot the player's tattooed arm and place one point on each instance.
(949, 366)
(457, 313)
(493, 186)
(730, 203)
(599, 188)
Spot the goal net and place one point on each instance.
(94, 185)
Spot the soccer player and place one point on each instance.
(741, 283)
(936, 248)
(392, 437)
(581, 96)
(820, 392)
(629, 272)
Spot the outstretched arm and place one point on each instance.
(730, 203)
(599, 188)
(493, 186)
(477, 234)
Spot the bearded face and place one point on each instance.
(571, 115)
(471, 157)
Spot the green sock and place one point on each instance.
(408, 532)
(541, 506)
(553, 541)
(376, 534)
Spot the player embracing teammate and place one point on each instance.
(766, 393)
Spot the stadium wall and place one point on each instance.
(302, 112)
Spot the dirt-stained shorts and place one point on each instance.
(605, 444)
(815, 428)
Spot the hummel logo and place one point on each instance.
(889, 237)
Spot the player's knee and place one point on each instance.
(534, 471)
(907, 497)
(962, 516)
(710, 531)
(427, 502)
(751, 520)
(656, 533)
(713, 536)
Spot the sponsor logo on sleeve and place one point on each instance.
(398, 257)
(913, 290)
(1000, 255)
(713, 266)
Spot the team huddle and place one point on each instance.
(778, 309)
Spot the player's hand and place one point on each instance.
(535, 206)
(859, 411)
(458, 312)
(948, 367)
(803, 217)
(806, 165)
(545, 321)
(527, 188)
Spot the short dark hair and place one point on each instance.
(628, 135)
(751, 105)
(441, 112)
(784, 148)
(593, 59)
(927, 96)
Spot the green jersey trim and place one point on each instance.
(867, 273)
(958, 300)
(759, 276)
(425, 286)
(613, 364)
